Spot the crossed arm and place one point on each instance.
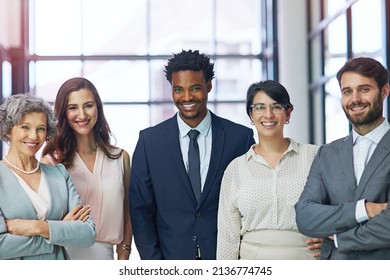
(41, 228)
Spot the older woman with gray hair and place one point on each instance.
(40, 209)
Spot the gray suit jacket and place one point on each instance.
(14, 203)
(327, 204)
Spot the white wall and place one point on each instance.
(293, 55)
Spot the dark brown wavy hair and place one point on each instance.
(62, 146)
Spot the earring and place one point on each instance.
(252, 123)
(287, 122)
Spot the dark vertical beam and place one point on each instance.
(19, 55)
(386, 47)
(310, 77)
(20, 73)
(275, 36)
(349, 41)
(323, 92)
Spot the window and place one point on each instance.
(122, 47)
(340, 30)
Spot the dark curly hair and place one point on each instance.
(189, 60)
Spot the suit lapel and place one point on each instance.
(218, 143)
(376, 159)
(346, 156)
(13, 195)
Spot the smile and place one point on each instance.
(188, 106)
(357, 109)
(268, 124)
(32, 145)
(82, 123)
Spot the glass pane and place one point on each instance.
(233, 77)
(235, 112)
(336, 43)
(125, 122)
(333, 6)
(114, 27)
(119, 80)
(50, 75)
(160, 87)
(367, 34)
(241, 35)
(337, 124)
(337, 36)
(177, 25)
(161, 112)
(333, 65)
(6, 79)
(57, 27)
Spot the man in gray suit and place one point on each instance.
(346, 196)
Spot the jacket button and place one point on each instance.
(194, 238)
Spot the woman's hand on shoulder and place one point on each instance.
(48, 160)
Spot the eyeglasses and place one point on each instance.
(261, 108)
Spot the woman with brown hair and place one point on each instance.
(99, 170)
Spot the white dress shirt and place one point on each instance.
(363, 148)
(204, 143)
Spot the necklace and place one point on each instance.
(22, 170)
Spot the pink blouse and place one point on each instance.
(104, 191)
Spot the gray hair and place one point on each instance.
(15, 107)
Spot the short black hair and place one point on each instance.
(190, 60)
(273, 89)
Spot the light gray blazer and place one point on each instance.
(14, 203)
(327, 204)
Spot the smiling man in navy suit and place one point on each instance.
(169, 220)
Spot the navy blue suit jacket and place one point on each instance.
(167, 221)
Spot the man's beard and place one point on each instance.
(375, 113)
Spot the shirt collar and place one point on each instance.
(292, 147)
(203, 127)
(374, 135)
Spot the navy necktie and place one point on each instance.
(194, 163)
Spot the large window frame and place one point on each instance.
(321, 76)
(267, 59)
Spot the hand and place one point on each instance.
(314, 244)
(48, 160)
(79, 213)
(26, 227)
(374, 209)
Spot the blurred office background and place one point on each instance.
(123, 45)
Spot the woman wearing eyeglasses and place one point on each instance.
(256, 217)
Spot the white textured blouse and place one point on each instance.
(255, 196)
